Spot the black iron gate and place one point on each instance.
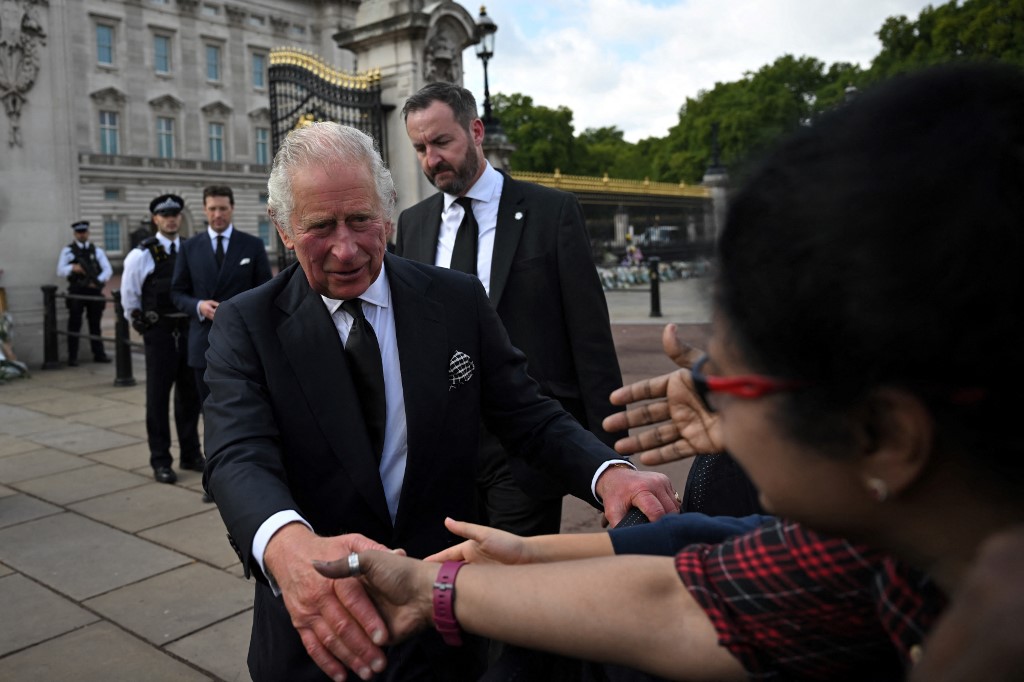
(304, 89)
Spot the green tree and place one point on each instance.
(543, 136)
(974, 30)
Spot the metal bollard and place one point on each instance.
(122, 347)
(51, 354)
(653, 263)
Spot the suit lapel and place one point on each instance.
(512, 215)
(423, 356)
(326, 382)
(423, 245)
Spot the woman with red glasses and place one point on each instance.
(864, 366)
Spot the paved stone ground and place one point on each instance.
(107, 575)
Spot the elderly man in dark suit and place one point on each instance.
(211, 268)
(345, 401)
(529, 246)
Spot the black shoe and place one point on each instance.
(206, 498)
(165, 475)
(72, 362)
(193, 464)
(102, 358)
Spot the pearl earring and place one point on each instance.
(878, 489)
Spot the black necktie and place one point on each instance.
(464, 252)
(368, 373)
(219, 253)
(174, 248)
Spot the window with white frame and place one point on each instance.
(105, 44)
(216, 141)
(165, 137)
(263, 146)
(109, 132)
(112, 234)
(161, 53)
(259, 70)
(213, 67)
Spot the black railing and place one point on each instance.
(122, 339)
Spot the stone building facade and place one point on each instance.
(108, 103)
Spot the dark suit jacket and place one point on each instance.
(545, 287)
(197, 278)
(284, 429)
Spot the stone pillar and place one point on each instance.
(412, 45)
(716, 179)
(38, 165)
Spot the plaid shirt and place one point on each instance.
(791, 604)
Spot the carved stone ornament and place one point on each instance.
(261, 115)
(236, 14)
(166, 104)
(278, 24)
(217, 110)
(442, 59)
(21, 36)
(109, 97)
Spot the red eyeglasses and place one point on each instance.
(745, 387)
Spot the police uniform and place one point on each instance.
(146, 298)
(97, 269)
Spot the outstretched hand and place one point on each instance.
(337, 622)
(483, 545)
(401, 588)
(682, 426)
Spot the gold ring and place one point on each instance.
(678, 499)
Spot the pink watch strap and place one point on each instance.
(444, 603)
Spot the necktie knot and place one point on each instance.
(174, 248)
(354, 307)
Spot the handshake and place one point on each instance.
(144, 321)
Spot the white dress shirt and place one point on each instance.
(486, 194)
(381, 316)
(64, 263)
(213, 245)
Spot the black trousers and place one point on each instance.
(166, 370)
(501, 501)
(93, 311)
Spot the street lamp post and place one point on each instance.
(485, 30)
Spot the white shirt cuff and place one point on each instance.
(601, 470)
(266, 531)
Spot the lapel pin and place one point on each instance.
(519, 215)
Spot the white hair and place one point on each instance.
(324, 144)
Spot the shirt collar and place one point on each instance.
(378, 293)
(165, 241)
(226, 233)
(486, 188)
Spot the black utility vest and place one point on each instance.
(156, 289)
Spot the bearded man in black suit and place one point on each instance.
(318, 448)
(529, 246)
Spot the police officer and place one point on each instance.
(146, 297)
(87, 269)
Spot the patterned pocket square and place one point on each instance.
(460, 370)
(244, 261)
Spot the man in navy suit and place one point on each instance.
(533, 257)
(298, 464)
(211, 268)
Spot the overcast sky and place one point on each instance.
(632, 63)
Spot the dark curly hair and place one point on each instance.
(883, 246)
